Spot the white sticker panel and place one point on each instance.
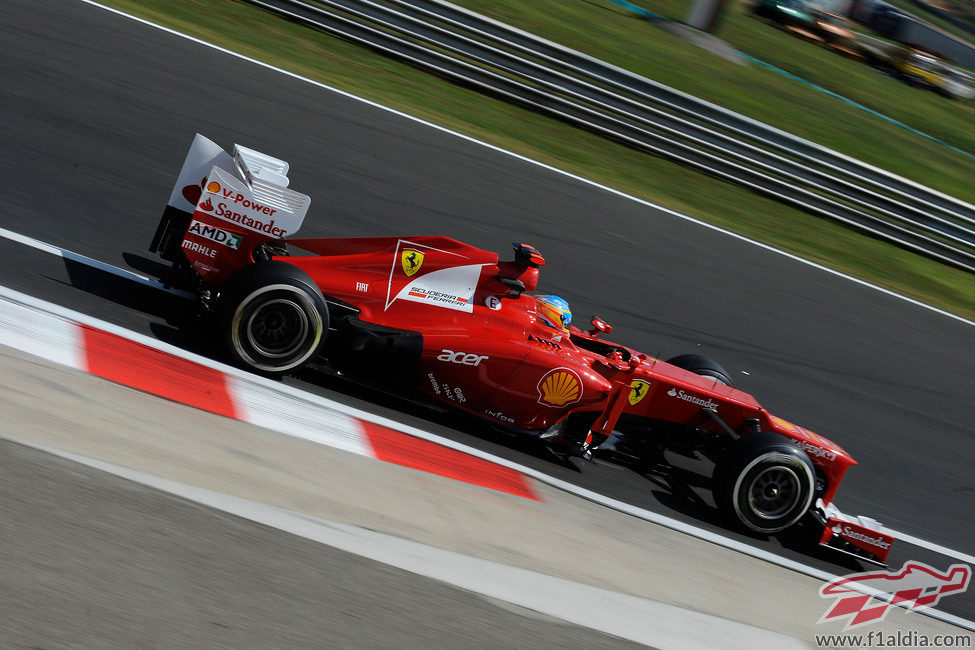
(452, 288)
(230, 199)
(202, 156)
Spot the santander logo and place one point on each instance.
(693, 399)
(846, 531)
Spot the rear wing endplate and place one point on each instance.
(248, 189)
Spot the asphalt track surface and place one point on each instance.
(125, 565)
(98, 112)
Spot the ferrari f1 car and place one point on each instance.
(430, 313)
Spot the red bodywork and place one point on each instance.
(485, 353)
(464, 325)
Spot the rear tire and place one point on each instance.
(701, 365)
(765, 483)
(274, 318)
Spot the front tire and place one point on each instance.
(765, 483)
(274, 318)
(704, 366)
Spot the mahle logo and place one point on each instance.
(228, 239)
(412, 261)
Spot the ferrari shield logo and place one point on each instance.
(412, 261)
(638, 388)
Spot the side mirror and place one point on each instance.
(515, 286)
(599, 326)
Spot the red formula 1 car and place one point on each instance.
(455, 322)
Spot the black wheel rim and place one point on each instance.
(774, 492)
(277, 328)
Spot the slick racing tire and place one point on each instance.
(764, 483)
(273, 317)
(701, 365)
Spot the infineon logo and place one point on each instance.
(228, 239)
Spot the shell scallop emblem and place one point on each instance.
(213, 187)
(559, 387)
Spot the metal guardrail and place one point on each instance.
(519, 67)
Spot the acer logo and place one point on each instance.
(461, 357)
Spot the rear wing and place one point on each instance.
(259, 179)
(223, 206)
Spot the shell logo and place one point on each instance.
(559, 387)
(213, 187)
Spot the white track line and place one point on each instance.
(310, 401)
(581, 179)
(931, 546)
(96, 264)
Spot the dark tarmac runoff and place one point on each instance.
(92, 560)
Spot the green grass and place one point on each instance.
(961, 9)
(609, 32)
(255, 33)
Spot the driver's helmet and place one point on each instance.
(554, 312)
